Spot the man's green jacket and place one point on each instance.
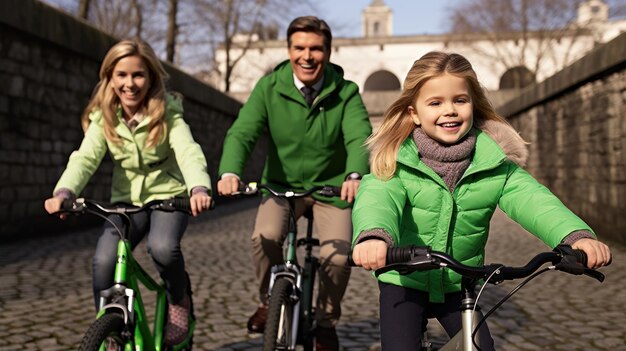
(317, 145)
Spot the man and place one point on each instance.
(317, 125)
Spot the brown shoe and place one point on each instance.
(326, 339)
(256, 323)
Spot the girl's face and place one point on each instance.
(130, 81)
(444, 109)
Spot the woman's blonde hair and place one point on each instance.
(105, 99)
(398, 125)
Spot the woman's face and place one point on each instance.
(130, 81)
(444, 109)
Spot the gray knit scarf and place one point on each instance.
(448, 161)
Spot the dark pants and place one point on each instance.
(165, 231)
(402, 313)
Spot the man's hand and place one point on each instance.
(370, 254)
(227, 185)
(598, 254)
(199, 202)
(349, 188)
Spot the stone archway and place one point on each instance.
(382, 80)
(516, 78)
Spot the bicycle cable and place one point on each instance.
(482, 288)
(106, 218)
(503, 300)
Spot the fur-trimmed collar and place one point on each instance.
(508, 139)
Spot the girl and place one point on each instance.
(154, 157)
(442, 161)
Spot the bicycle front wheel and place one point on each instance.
(105, 331)
(278, 333)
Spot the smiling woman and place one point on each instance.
(130, 81)
(133, 118)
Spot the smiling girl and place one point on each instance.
(442, 161)
(154, 157)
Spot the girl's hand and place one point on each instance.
(199, 202)
(53, 205)
(598, 254)
(370, 254)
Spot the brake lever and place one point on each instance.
(599, 276)
(246, 189)
(76, 206)
(330, 191)
(575, 262)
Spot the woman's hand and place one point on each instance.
(53, 205)
(598, 254)
(370, 254)
(200, 202)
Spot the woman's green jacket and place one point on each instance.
(140, 174)
(416, 208)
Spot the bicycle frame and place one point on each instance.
(125, 294)
(128, 277)
(302, 278)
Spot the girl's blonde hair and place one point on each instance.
(105, 99)
(398, 125)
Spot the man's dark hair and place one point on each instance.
(310, 24)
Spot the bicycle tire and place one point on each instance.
(109, 327)
(278, 335)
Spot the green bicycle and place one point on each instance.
(291, 311)
(121, 322)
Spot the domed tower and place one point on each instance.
(592, 11)
(377, 20)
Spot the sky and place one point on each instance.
(409, 16)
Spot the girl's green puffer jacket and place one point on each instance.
(415, 207)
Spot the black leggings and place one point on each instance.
(402, 312)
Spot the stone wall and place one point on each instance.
(576, 125)
(49, 64)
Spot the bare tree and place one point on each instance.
(83, 9)
(234, 25)
(138, 17)
(519, 33)
(172, 30)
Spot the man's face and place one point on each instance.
(308, 56)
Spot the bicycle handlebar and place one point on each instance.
(253, 188)
(410, 259)
(82, 205)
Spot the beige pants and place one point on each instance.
(332, 225)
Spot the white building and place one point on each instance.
(378, 61)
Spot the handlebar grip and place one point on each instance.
(581, 257)
(181, 204)
(67, 205)
(350, 260)
(575, 262)
(330, 191)
(399, 254)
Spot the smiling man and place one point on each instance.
(317, 125)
